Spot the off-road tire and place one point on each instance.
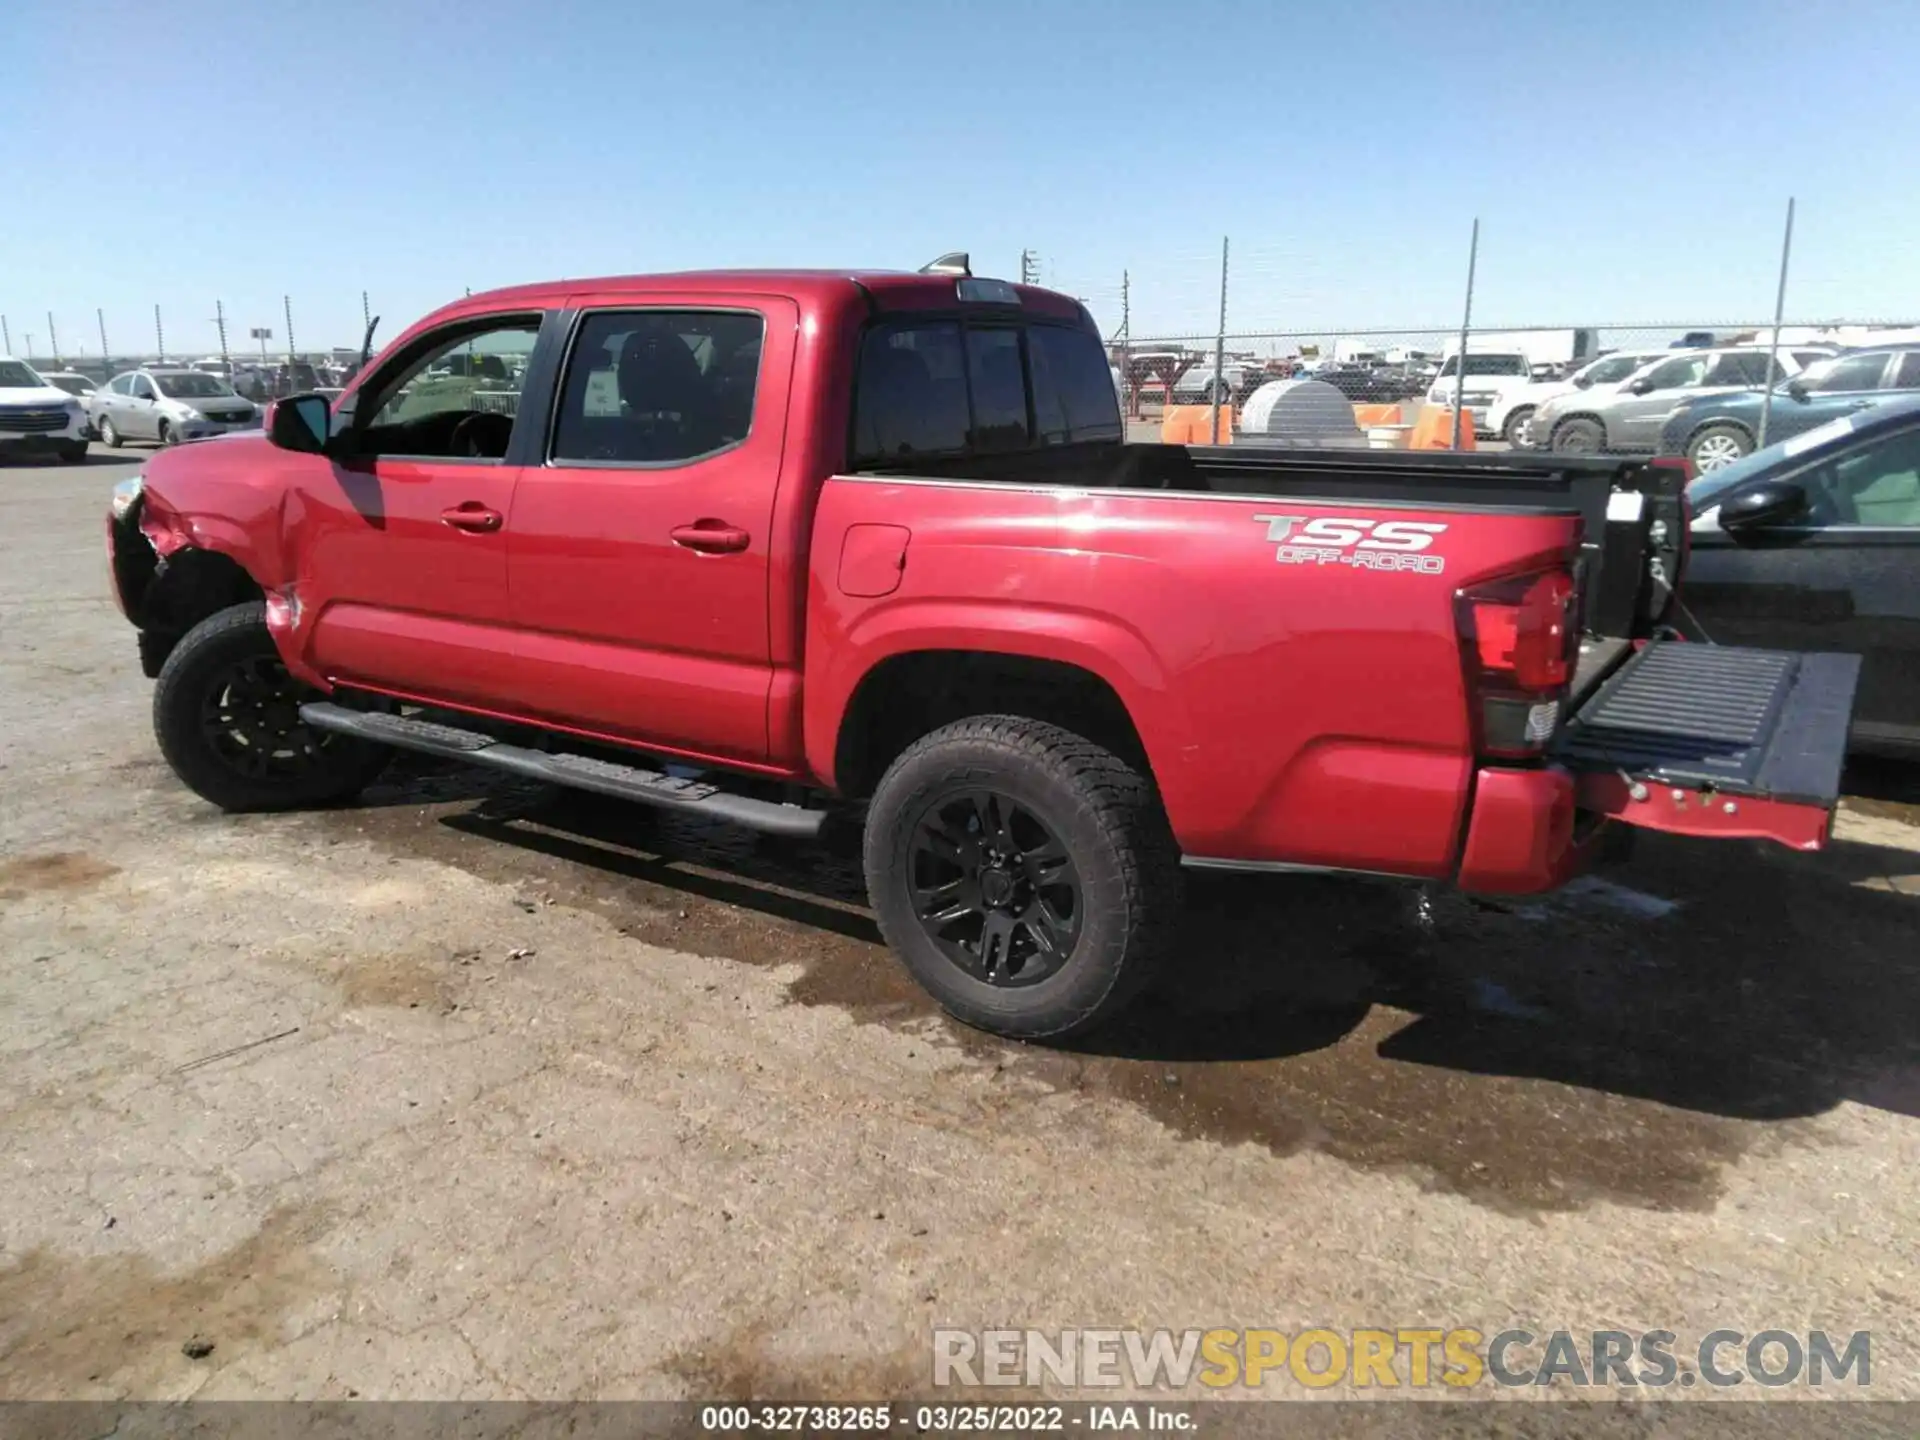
(195, 674)
(1103, 811)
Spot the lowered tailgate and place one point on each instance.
(1716, 740)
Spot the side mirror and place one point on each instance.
(1641, 387)
(1797, 390)
(1772, 502)
(300, 423)
(1582, 381)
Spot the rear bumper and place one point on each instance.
(1522, 836)
(1715, 742)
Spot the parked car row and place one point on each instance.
(1627, 415)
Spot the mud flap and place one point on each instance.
(1716, 740)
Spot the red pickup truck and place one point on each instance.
(782, 547)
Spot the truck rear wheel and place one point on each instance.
(1026, 876)
(227, 715)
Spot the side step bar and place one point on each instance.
(581, 772)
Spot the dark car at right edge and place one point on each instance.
(1814, 544)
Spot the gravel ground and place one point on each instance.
(476, 1090)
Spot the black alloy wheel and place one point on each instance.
(250, 718)
(994, 889)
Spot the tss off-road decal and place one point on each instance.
(1362, 544)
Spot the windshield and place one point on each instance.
(1611, 369)
(73, 384)
(1489, 365)
(16, 376)
(1707, 490)
(192, 385)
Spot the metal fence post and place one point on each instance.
(1466, 325)
(106, 355)
(286, 306)
(1773, 350)
(1219, 350)
(6, 337)
(53, 342)
(159, 335)
(220, 320)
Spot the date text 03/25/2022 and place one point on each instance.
(944, 1419)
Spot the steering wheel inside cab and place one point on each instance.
(482, 435)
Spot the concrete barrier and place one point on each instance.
(1187, 425)
(1433, 429)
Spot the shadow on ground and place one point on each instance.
(1628, 1039)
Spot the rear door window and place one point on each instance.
(1907, 377)
(1738, 370)
(658, 387)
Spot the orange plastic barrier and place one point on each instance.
(1433, 429)
(1366, 415)
(1187, 425)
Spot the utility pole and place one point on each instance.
(220, 320)
(1126, 344)
(286, 305)
(53, 341)
(1773, 350)
(159, 335)
(1029, 268)
(1466, 324)
(6, 337)
(106, 355)
(1220, 353)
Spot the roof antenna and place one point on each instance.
(954, 262)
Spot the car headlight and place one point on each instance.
(125, 494)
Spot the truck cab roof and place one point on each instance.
(877, 290)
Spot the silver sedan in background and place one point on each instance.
(169, 405)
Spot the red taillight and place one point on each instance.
(1522, 630)
(1520, 641)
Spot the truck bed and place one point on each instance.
(1632, 513)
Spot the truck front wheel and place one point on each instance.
(227, 715)
(1025, 875)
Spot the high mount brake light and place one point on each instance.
(1520, 641)
(986, 292)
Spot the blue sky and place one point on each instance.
(1627, 160)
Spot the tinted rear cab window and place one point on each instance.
(941, 387)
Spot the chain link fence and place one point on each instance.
(1698, 389)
